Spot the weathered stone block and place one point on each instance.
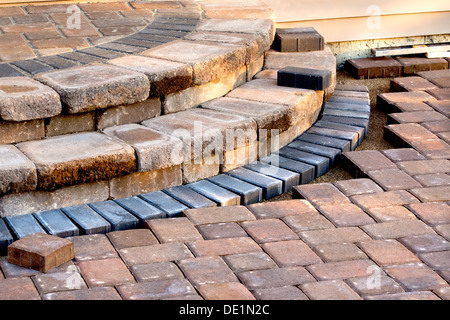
(78, 158)
(41, 252)
(18, 173)
(14, 132)
(24, 99)
(96, 86)
(68, 123)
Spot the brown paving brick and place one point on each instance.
(291, 253)
(410, 107)
(432, 148)
(59, 281)
(436, 260)
(60, 43)
(360, 162)
(282, 293)
(432, 194)
(131, 238)
(40, 35)
(333, 235)
(249, 261)
(404, 134)
(393, 179)
(156, 253)
(31, 18)
(357, 186)
(8, 54)
(424, 166)
(425, 243)
(221, 230)
(276, 277)
(18, 289)
(41, 252)
(368, 68)
(443, 230)
(385, 214)
(321, 194)
(416, 295)
(342, 269)
(85, 30)
(387, 101)
(219, 215)
(14, 271)
(383, 199)
(416, 117)
(402, 154)
(268, 230)
(416, 277)
(98, 293)
(156, 290)
(118, 6)
(30, 27)
(329, 290)
(334, 252)
(91, 247)
(11, 11)
(440, 93)
(443, 293)
(174, 230)
(222, 247)
(206, 270)
(443, 106)
(387, 252)
(281, 209)
(105, 272)
(307, 221)
(432, 213)
(376, 284)
(414, 83)
(345, 215)
(445, 274)
(397, 229)
(224, 291)
(156, 271)
(433, 179)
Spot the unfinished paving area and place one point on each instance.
(382, 234)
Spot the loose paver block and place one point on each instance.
(96, 86)
(298, 40)
(411, 84)
(314, 79)
(41, 252)
(17, 171)
(368, 68)
(75, 159)
(57, 223)
(23, 99)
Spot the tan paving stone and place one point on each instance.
(385, 214)
(345, 215)
(207, 270)
(329, 290)
(388, 252)
(397, 229)
(357, 186)
(333, 235)
(281, 209)
(433, 213)
(105, 272)
(416, 277)
(224, 291)
(174, 230)
(393, 179)
(334, 252)
(268, 230)
(342, 269)
(291, 253)
(321, 194)
(165, 252)
(432, 194)
(223, 247)
(384, 199)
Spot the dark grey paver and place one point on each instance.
(141, 209)
(346, 113)
(322, 164)
(58, 62)
(331, 153)
(342, 127)
(32, 66)
(221, 196)
(119, 218)
(23, 225)
(349, 100)
(6, 237)
(189, 197)
(57, 223)
(81, 58)
(87, 220)
(347, 106)
(343, 145)
(289, 178)
(165, 202)
(271, 187)
(249, 193)
(333, 133)
(307, 172)
(7, 70)
(314, 79)
(363, 123)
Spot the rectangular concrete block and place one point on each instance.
(249, 193)
(298, 40)
(353, 137)
(6, 238)
(332, 153)
(289, 178)
(189, 197)
(165, 202)
(23, 225)
(322, 164)
(117, 216)
(271, 187)
(57, 223)
(363, 123)
(343, 145)
(368, 68)
(216, 193)
(15, 132)
(87, 220)
(41, 252)
(307, 172)
(141, 209)
(307, 78)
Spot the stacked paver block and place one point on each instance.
(298, 40)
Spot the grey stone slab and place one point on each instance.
(141, 209)
(343, 127)
(332, 153)
(322, 164)
(289, 178)
(249, 193)
(346, 99)
(6, 237)
(348, 106)
(7, 70)
(165, 202)
(32, 66)
(333, 133)
(89, 221)
(23, 225)
(363, 123)
(307, 172)
(58, 62)
(346, 113)
(119, 218)
(57, 223)
(189, 197)
(271, 187)
(221, 196)
(343, 145)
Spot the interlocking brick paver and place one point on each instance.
(397, 229)
(224, 291)
(59, 281)
(221, 230)
(374, 285)
(357, 186)
(333, 252)
(416, 295)
(165, 252)
(360, 162)
(432, 194)
(95, 294)
(433, 179)
(384, 199)
(388, 252)
(90, 247)
(131, 238)
(268, 210)
(333, 235)
(105, 272)
(403, 154)
(443, 293)
(276, 277)
(268, 230)
(321, 194)
(420, 167)
(291, 253)
(18, 289)
(342, 269)
(174, 230)
(156, 271)
(282, 293)
(425, 243)
(222, 247)
(329, 290)
(206, 270)
(156, 290)
(393, 179)
(345, 215)
(416, 277)
(432, 213)
(436, 260)
(385, 214)
(249, 261)
(219, 215)
(307, 221)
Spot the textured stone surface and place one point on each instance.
(75, 159)
(99, 86)
(24, 99)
